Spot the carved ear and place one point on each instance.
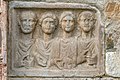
(36, 20)
(56, 23)
(78, 21)
(95, 21)
(40, 22)
(18, 20)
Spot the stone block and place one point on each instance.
(54, 40)
(112, 64)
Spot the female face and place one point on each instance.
(67, 23)
(48, 25)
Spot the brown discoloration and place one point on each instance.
(112, 10)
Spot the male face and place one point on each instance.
(67, 23)
(87, 22)
(48, 25)
(27, 22)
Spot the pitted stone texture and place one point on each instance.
(3, 25)
(55, 43)
(98, 3)
(84, 1)
(112, 10)
(112, 27)
(63, 79)
(113, 64)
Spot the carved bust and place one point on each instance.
(27, 21)
(66, 54)
(87, 42)
(67, 22)
(48, 23)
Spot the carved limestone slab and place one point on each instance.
(54, 40)
(63, 79)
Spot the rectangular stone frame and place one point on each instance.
(12, 72)
(1, 6)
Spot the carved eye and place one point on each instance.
(88, 20)
(84, 20)
(23, 20)
(72, 21)
(51, 22)
(65, 20)
(46, 22)
(29, 20)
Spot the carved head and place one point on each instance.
(86, 21)
(67, 21)
(48, 23)
(27, 21)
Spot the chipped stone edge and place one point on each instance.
(19, 4)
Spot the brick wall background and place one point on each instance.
(3, 26)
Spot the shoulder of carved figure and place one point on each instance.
(77, 37)
(38, 40)
(57, 39)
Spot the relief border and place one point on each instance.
(36, 5)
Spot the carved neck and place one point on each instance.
(26, 37)
(67, 35)
(86, 35)
(47, 37)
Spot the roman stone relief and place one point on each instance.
(87, 42)
(44, 47)
(65, 55)
(27, 23)
(67, 40)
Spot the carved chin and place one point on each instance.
(86, 29)
(27, 31)
(68, 30)
(48, 31)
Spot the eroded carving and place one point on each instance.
(27, 21)
(44, 47)
(66, 54)
(49, 51)
(54, 46)
(113, 36)
(87, 42)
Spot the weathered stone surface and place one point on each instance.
(112, 27)
(63, 79)
(112, 64)
(112, 10)
(54, 40)
(3, 23)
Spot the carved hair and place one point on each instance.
(66, 13)
(49, 15)
(86, 13)
(26, 13)
(92, 15)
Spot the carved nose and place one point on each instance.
(28, 23)
(48, 24)
(68, 23)
(86, 22)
